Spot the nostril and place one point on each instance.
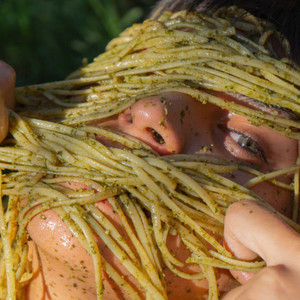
(125, 118)
(157, 137)
(129, 117)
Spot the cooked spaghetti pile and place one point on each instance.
(52, 142)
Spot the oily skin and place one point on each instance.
(251, 231)
(243, 240)
(199, 128)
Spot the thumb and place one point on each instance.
(251, 230)
(7, 84)
(3, 119)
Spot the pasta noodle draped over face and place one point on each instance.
(52, 142)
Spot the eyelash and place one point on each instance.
(248, 144)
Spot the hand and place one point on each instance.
(251, 231)
(7, 85)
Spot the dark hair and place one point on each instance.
(283, 14)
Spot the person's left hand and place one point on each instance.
(251, 231)
(7, 86)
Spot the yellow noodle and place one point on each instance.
(7, 253)
(131, 266)
(271, 175)
(296, 194)
(54, 142)
(147, 264)
(120, 281)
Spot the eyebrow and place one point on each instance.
(264, 107)
(286, 113)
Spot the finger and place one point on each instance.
(276, 282)
(251, 230)
(242, 277)
(3, 120)
(252, 292)
(7, 84)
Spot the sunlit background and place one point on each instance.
(45, 40)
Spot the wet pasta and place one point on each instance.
(52, 141)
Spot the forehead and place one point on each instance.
(157, 56)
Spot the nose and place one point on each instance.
(172, 123)
(169, 123)
(156, 121)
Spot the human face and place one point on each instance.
(171, 123)
(174, 123)
(130, 85)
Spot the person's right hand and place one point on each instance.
(7, 86)
(251, 231)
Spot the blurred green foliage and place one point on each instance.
(45, 40)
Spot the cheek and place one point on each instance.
(66, 264)
(48, 229)
(280, 199)
(283, 151)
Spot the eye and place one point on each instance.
(248, 144)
